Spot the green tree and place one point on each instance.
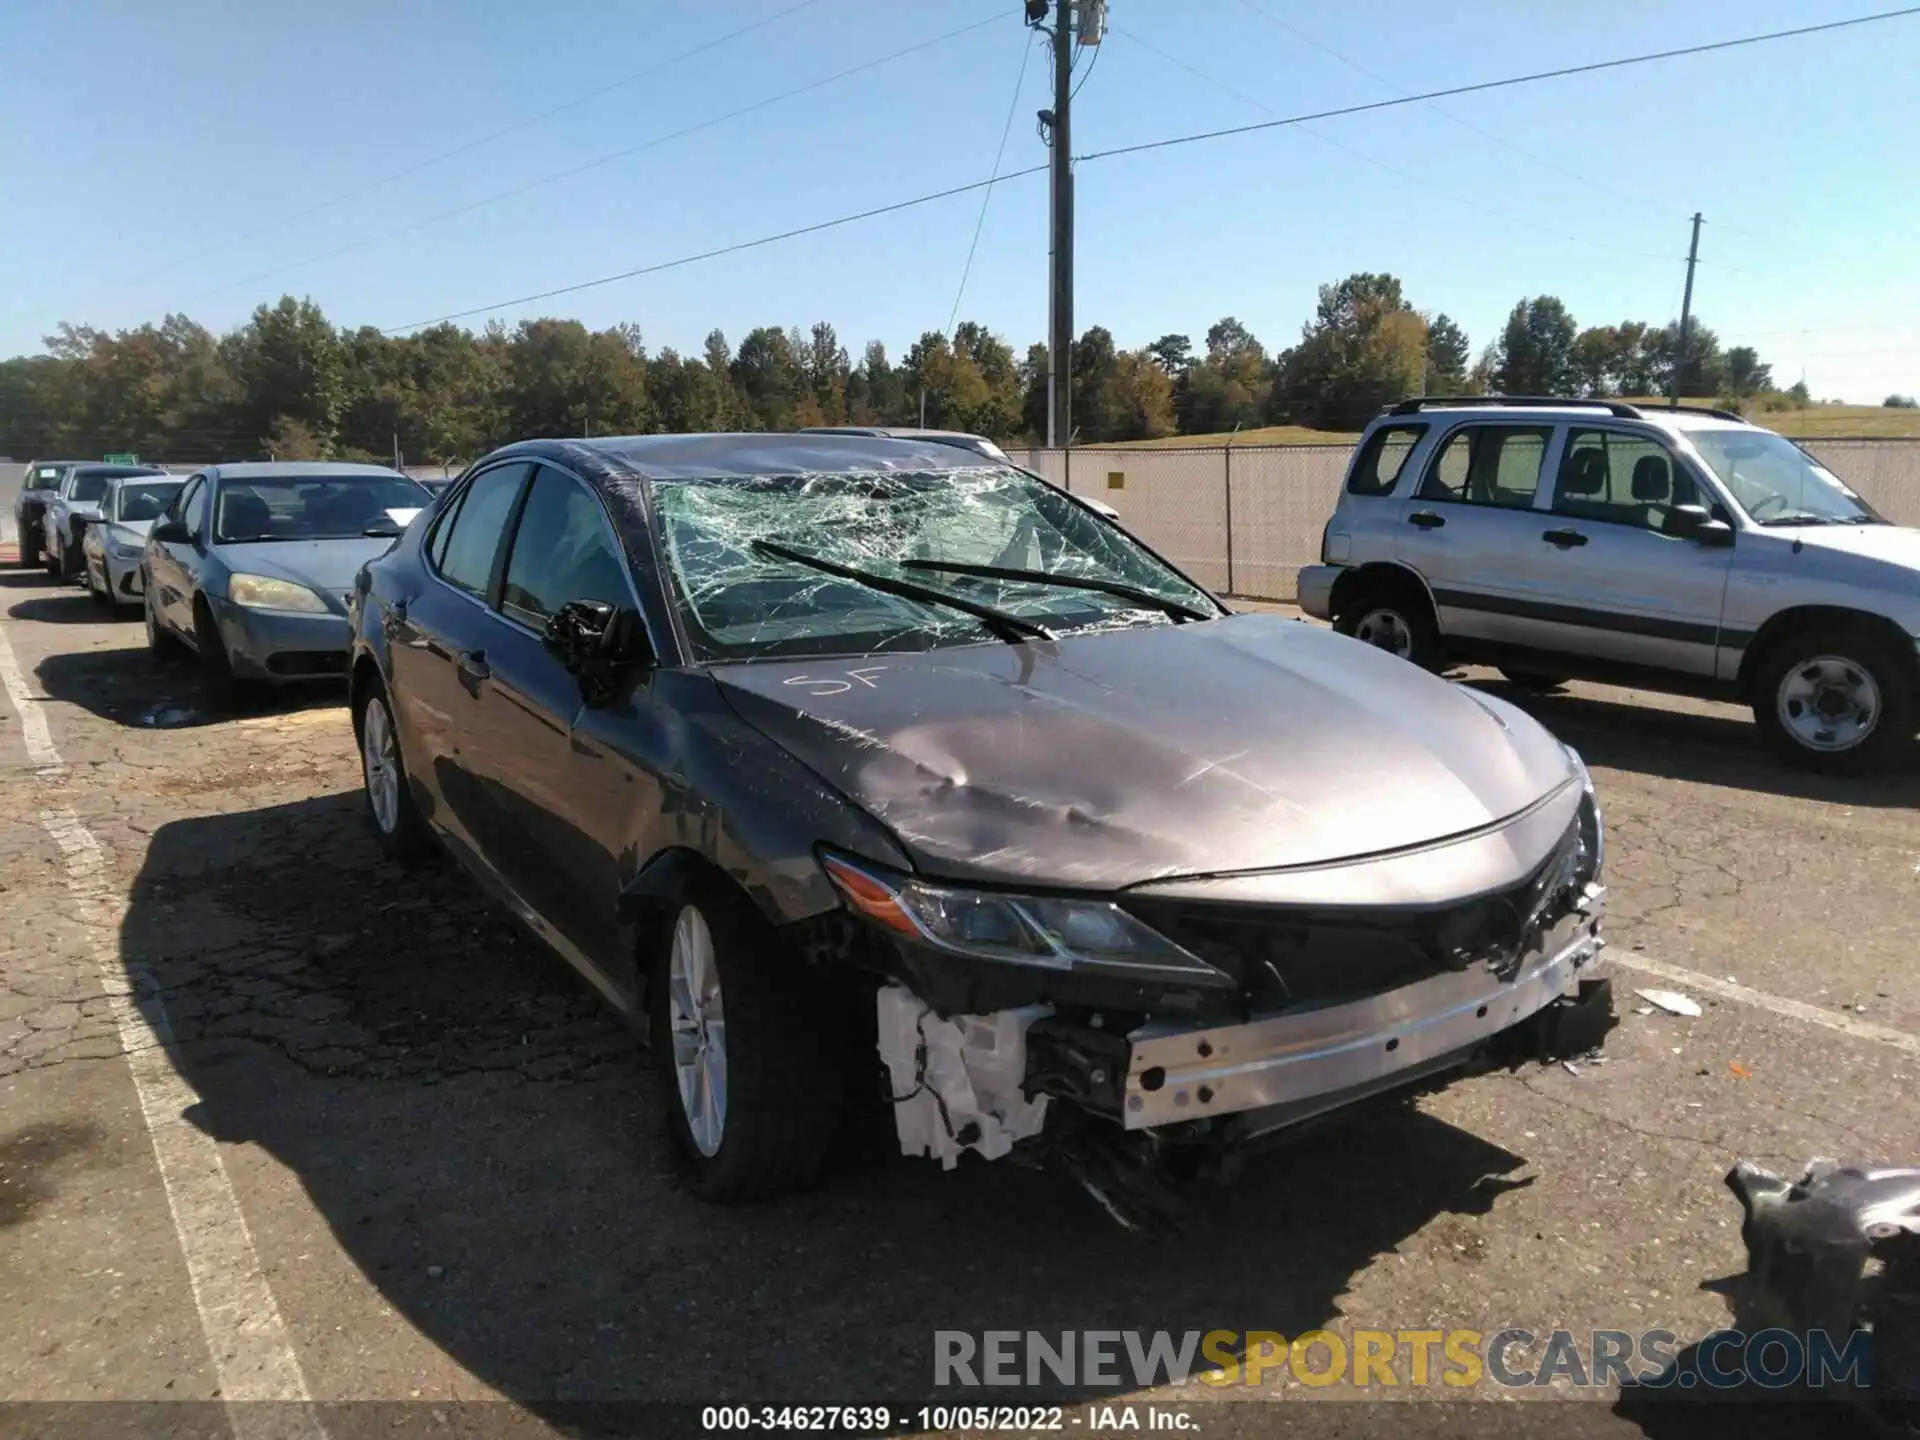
(1448, 356)
(1365, 347)
(1230, 386)
(289, 366)
(766, 371)
(1536, 349)
(1139, 397)
(1747, 376)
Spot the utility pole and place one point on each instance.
(1686, 315)
(1060, 286)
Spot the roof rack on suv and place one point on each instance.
(1414, 406)
(1620, 409)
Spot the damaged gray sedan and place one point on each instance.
(859, 771)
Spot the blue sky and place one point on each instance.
(159, 156)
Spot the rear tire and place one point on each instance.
(1393, 616)
(383, 770)
(1835, 701)
(1532, 681)
(720, 975)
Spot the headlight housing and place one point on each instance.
(1593, 832)
(1045, 932)
(120, 549)
(263, 592)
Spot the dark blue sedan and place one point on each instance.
(251, 565)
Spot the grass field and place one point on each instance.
(1817, 422)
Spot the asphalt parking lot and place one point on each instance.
(446, 1157)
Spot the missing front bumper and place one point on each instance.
(1306, 1059)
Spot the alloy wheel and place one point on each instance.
(380, 758)
(697, 1022)
(1386, 630)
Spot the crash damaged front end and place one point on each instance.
(1184, 1020)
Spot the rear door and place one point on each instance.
(440, 650)
(1613, 584)
(1475, 510)
(568, 802)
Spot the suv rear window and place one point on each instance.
(1382, 458)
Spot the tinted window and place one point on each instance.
(144, 502)
(1378, 468)
(45, 477)
(561, 551)
(195, 512)
(1489, 465)
(88, 485)
(1620, 478)
(473, 532)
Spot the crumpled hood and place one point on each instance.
(328, 566)
(1105, 760)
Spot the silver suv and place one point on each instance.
(1674, 549)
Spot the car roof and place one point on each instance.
(689, 457)
(897, 432)
(112, 471)
(318, 469)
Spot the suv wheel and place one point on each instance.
(389, 800)
(1396, 618)
(1838, 702)
(747, 1038)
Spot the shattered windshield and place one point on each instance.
(1778, 483)
(741, 601)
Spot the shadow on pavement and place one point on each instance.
(487, 1148)
(74, 607)
(1705, 749)
(126, 686)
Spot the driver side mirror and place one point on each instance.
(170, 532)
(599, 644)
(1695, 523)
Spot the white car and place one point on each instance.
(74, 507)
(113, 543)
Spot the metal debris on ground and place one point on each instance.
(1671, 1001)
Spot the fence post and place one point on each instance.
(1229, 485)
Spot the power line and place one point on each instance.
(471, 145)
(716, 253)
(1151, 145)
(1485, 85)
(979, 224)
(608, 159)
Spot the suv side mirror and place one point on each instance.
(1696, 523)
(170, 532)
(598, 643)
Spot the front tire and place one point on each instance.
(163, 647)
(101, 594)
(1834, 701)
(750, 1043)
(396, 820)
(225, 690)
(1395, 617)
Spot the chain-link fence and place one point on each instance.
(1243, 519)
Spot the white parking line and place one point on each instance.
(1776, 1004)
(252, 1355)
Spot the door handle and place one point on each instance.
(1426, 519)
(472, 664)
(1565, 539)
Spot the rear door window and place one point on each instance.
(1497, 465)
(469, 539)
(1377, 470)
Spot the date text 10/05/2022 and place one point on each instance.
(1097, 1417)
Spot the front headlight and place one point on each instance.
(1593, 832)
(1041, 931)
(263, 592)
(120, 549)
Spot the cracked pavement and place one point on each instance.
(449, 1157)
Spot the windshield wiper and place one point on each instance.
(1776, 521)
(1010, 628)
(1180, 613)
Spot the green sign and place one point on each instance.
(128, 458)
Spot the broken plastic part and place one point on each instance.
(956, 1082)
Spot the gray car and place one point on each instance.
(821, 756)
(114, 545)
(70, 509)
(1673, 549)
(250, 566)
